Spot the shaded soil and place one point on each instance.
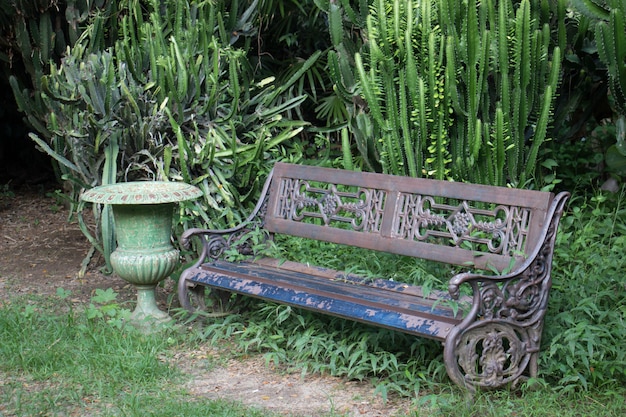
(41, 251)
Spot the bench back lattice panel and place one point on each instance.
(477, 226)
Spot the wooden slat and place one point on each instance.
(446, 254)
(332, 274)
(539, 200)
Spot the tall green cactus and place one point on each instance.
(459, 90)
(38, 33)
(509, 86)
(610, 36)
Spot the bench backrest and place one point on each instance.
(477, 226)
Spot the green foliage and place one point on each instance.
(285, 34)
(171, 99)
(585, 323)
(315, 343)
(130, 373)
(452, 90)
(32, 33)
(610, 142)
(607, 20)
(370, 264)
(582, 127)
(42, 345)
(105, 307)
(535, 401)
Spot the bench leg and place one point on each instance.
(492, 354)
(193, 297)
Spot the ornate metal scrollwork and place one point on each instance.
(498, 342)
(361, 209)
(492, 354)
(499, 230)
(522, 299)
(216, 244)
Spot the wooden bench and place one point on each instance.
(493, 342)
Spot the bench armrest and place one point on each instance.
(185, 238)
(474, 280)
(214, 241)
(522, 294)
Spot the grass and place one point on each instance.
(57, 361)
(62, 363)
(531, 404)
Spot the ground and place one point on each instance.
(41, 251)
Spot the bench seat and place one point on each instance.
(390, 304)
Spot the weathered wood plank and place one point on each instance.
(387, 308)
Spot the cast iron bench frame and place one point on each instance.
(492, 343)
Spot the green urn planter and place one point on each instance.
(143, 225)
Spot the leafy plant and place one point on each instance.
(182, 106)
(35, 33)
(610, 36)
(314, 343)
(282, 36)
(585, 322)
(609, 26)
(104, 306)
(32, 33)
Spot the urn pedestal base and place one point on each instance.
(147, 314)
(145, 269)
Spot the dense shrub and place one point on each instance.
(586, 320)
(182, 106)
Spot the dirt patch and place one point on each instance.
(255, 383)
(40, 252)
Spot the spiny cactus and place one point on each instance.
(449, 89)
(610, 36)
(37, 32)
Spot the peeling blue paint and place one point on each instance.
(389, 309)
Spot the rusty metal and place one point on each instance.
(507, 315)
(437, 220)
(491, 342)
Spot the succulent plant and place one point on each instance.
(610, 36)
(449, 89)
(170, 99)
